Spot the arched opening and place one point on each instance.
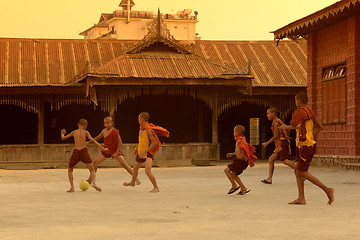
(245, 114)
(188, 120)
(18, 125)
(68, 117)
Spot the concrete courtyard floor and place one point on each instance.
(192, 204)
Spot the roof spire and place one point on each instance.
(158, 22)
(124, 4)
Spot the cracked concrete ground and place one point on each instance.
(192, 204)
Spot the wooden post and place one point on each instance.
(263, 135)
(41, 123)
(215, 128)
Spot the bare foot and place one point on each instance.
(96, 187)
(89, 181)
(155, 190)
(130, 184)
(330, 195)
(298, 202)
(71, 190)
(137, 181)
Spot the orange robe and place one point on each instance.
(248, 150)
(157, 131)
(305, 116)
(278, 147)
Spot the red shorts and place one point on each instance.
(109, 155)
(238, 166)
(79, 155)
(284, 154)
(303, 157)
(142, 160)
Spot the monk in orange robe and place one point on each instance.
(307, 127)
(113, 142)
(145, 151)
(243, 156)
(282, 144)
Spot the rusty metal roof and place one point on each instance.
(320, 19)
(52, 62)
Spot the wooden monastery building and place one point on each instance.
(197, 89)
(333, 37)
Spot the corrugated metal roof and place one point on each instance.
(171, 66)
(31, 62)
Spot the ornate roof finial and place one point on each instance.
(158, 22)
(124, 4)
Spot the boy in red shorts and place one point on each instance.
(282, 144)
(307, 126)
(113, 142)
(80, 152)
(243, 156)
(149, 144)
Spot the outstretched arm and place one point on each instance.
(98, 137)
(94, 141)
(276, 135)
(64, 137)
(290, 127)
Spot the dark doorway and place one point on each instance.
(241, 115)
(68, 117)
(188, 120)
(18, 126)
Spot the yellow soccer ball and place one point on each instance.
(84, 185)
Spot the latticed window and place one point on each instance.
(254, 131)
(334, 94)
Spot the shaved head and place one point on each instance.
(240, 129)
(145, 116)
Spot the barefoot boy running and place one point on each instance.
(282, 144)
(149, 144)
(243, 156)
(113, 142)
(80, 152)
(307, 126)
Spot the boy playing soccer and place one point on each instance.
(113, 142)
(307, 126)
(80, 152)
(243, 156)
(282, 144)
(149, 144)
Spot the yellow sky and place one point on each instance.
(219, 19)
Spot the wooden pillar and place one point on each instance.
(263, 135)
(41, 123)
(215, 127)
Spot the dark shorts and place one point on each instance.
(108, 155)
(142, 160)
(79, 156)
(284, 154)
(238, 166)
(303, 157)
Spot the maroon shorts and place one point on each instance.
(79, 155)
(284, 154)
(303, 157)
(238, 166)
(142, 160)
(109, 155)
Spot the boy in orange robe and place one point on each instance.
(282, 144)
(243, 156)
(307, 126)
(113, 142)
(145, 151)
